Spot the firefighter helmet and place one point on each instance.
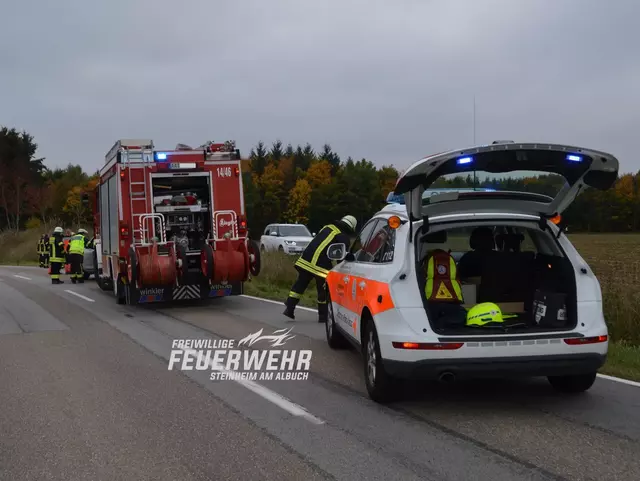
(350, 221)
(57, 230)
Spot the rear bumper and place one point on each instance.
(531, 366)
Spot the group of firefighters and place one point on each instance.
(54, 254)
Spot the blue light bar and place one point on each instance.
(574, 158)
(464, 160)
(161, 156)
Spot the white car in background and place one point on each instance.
(287, 238)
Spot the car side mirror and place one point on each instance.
(337, 252)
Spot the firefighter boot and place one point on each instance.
(322, 311)
(56, 281)
(290, 305)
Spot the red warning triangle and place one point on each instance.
(443, 292)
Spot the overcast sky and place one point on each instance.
(389, 80)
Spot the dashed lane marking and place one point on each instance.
(22, 277)
(79, 295)
(264, 392)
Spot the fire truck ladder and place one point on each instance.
(138, 163)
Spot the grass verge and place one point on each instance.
(278, 275)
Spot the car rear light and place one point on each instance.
(433, 346)
(576, 341)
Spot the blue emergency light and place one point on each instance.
(464, 160)
(161, 156)
(574, 158)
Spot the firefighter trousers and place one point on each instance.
(55, 272)
(77, 272)
(298, 288)
(44, 260)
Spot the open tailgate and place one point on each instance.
(579, 167)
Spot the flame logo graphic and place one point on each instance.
(278, 338)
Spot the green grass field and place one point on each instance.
(615, 258)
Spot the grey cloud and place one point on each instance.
(390, 81)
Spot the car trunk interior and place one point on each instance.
(519, 267)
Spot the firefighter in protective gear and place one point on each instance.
(57, 255)
(314, 264)
(76, 256)
(42, 250)
(46, 251)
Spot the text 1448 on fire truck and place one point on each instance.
(171, 225)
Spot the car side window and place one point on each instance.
(382, 243)
(376, 248)
(365, 253)
(361, 241)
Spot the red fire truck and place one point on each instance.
(170, 224)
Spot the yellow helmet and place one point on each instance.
(484, 313)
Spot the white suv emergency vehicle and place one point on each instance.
(530, 269)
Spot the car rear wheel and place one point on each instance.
(380, 385)
(335, 339)
(572, 384)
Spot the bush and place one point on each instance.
(33, 223)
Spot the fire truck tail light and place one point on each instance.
(242, 224)
(237, 171)
(124, 229)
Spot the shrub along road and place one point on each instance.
(87, 394)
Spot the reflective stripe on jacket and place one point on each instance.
(76, 244)
(442, 278)
(314, 258)
(56, 248)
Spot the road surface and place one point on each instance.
(86, 394)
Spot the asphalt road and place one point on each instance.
(86, 394)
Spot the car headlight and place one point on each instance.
(290, 243)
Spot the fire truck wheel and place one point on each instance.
(133, 268)
(254, 250)
(206, 262)
(181, 271)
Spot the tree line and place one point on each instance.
(283, 184)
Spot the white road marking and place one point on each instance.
(276, 302)
(618, 379)
(603, 376)
(22, 277)
(264, 392)
(79, 295)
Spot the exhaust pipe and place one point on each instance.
(447, 377)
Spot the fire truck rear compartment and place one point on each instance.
(185, 203)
